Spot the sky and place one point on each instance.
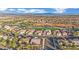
(40, 3)
(40, 10)
(39, 6)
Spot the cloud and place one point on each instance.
(3, 9)
(37, 11)
(11, 9)
(31, 11)
(21, 9)
(60, 10)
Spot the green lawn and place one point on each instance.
(43, 28)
